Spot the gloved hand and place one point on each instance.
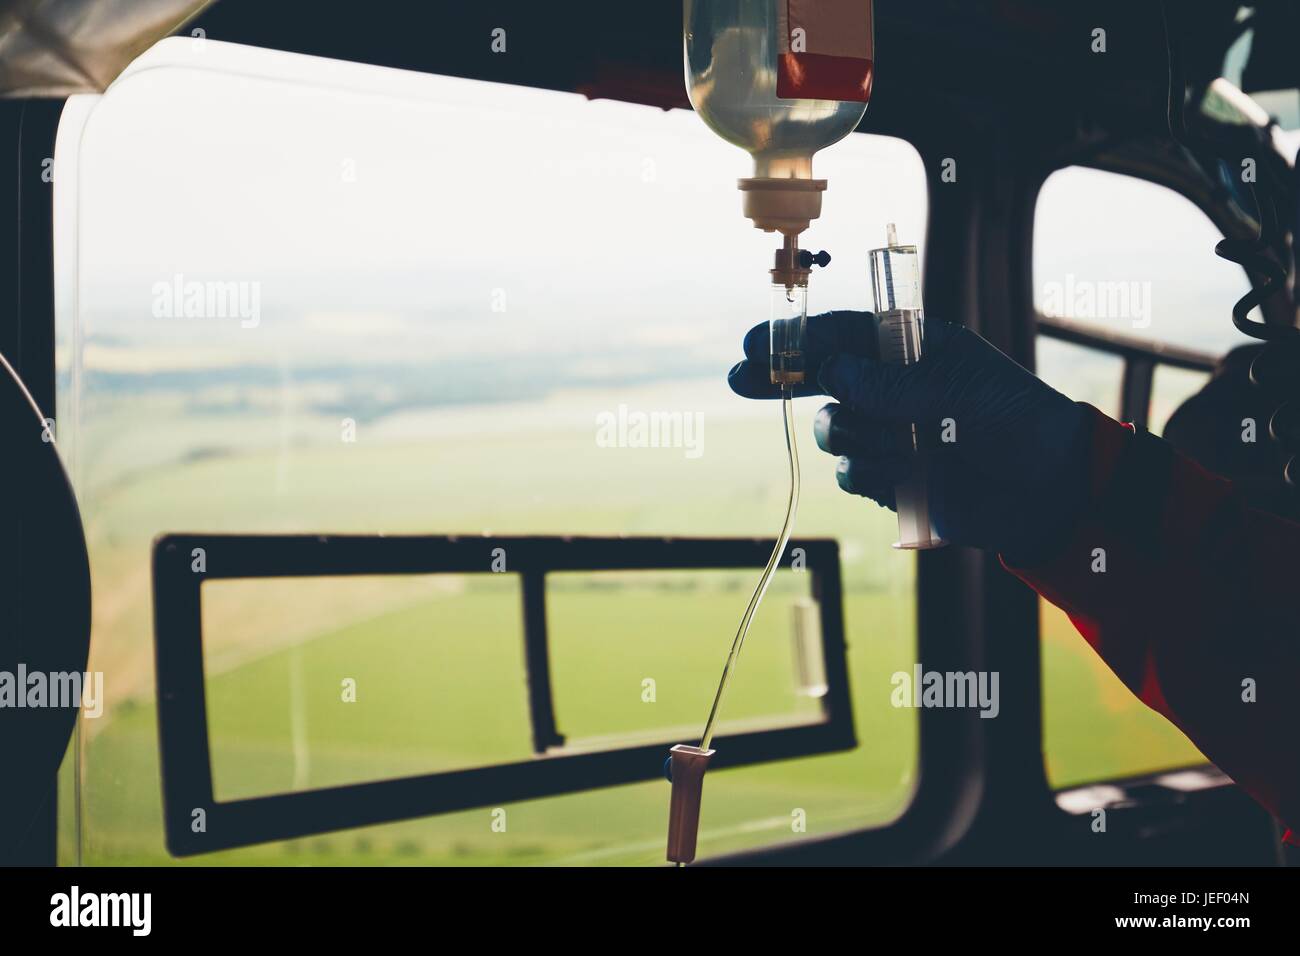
(1008, 455)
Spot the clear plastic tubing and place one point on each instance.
(900, 317)
(789, 317)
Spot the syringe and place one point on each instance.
(896, 286)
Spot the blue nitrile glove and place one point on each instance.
(1008, 454)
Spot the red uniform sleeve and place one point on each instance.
(1186, 594)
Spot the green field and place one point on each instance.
(437, 662)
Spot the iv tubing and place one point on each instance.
(792, 453)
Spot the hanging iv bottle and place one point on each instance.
(781, 79)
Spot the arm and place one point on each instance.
(1196, 595)
(1193, 611)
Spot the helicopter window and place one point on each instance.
(303, 295)
(1122, 256)
(1135, 308)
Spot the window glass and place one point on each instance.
(1093, 727)
(301, 295)
(330, 659)
(610, 631)
(1129, 257)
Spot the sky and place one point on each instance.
(410, 216)
(385, 216)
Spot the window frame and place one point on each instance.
(27, 339)
(183, 732)
(1141, 358)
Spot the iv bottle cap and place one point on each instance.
(782, 205)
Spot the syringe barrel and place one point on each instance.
(896, 278)
(900, 333)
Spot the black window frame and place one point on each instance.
(554, 769)
(27, 340)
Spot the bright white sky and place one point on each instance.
(1103, 227)
(380, 209)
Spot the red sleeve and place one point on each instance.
(1188, 596)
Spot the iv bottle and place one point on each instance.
(900, 334)
(781, 79)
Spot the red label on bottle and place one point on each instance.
(826, 50)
